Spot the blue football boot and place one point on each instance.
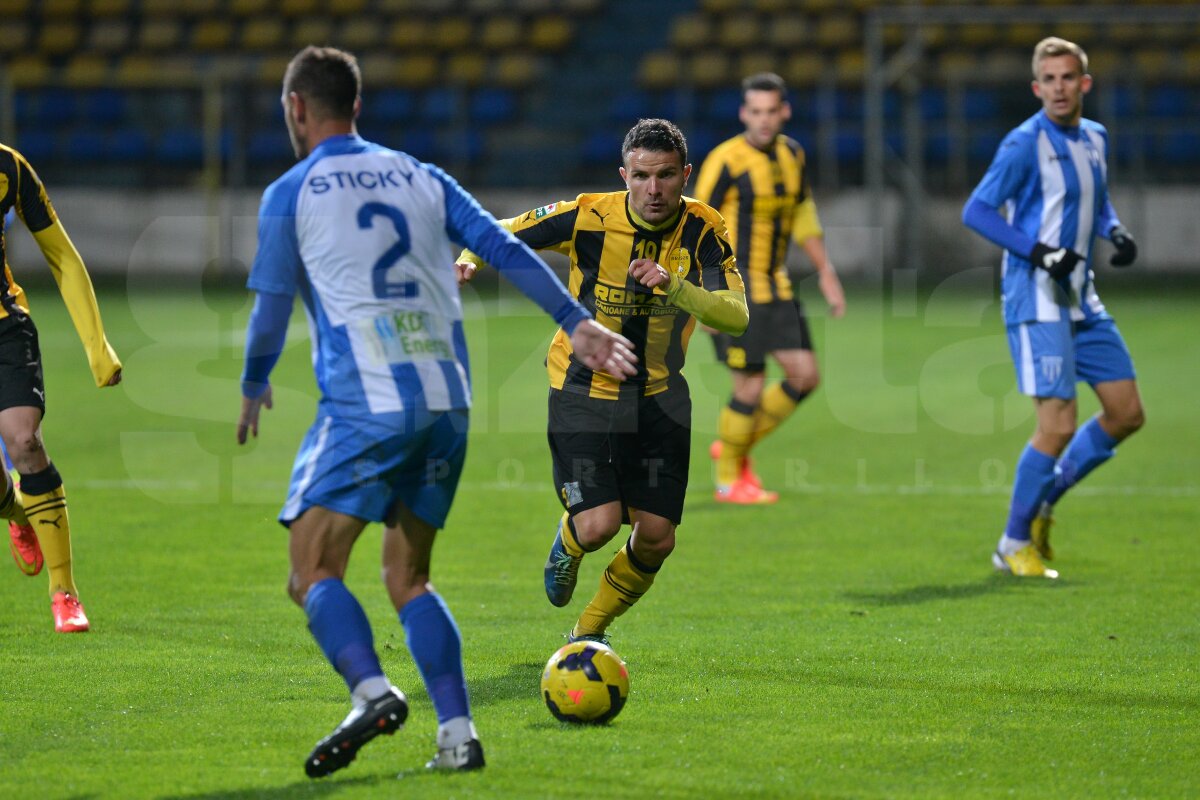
(562, 570)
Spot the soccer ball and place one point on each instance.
(585, 682)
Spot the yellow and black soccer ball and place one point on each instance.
(585, 682)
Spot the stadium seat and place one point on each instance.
(849, 147)
(39, 145)
(982, 144)
(1173, 102)
(420, 144)
(61, 8)
(838, 30)
(550, 34)
(753, 62)
(709, 69)
(500, 33)
(109, 36)
(59, 38)
(493, 106)
(659, 69)
(297, 9)
(439, 106)
(515, 69)
(979, 103)
(85, 147)
(158, 35)
(347, 8)
(180, 147)
(56, 106)
(451, 33)
(739, 31)
(723, 106)
(211, 34)
(1178, 147)
(932, 103)
(359, 33)
(260, 34)
(409, 33)
(106, 106)
(129, 146)
(601, 147)
(788, 31)
(466, 68)
(85, 70)
(804, 68)
(390, 105)
(417, 71)
(690, 30)
(312, 30)
(269, 145)
(249, 8)
(464, 146)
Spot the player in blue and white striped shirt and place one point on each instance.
(1050, 176)
(367, 236)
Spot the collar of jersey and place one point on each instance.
(646, 226)
(1070, 131)
(338, 143)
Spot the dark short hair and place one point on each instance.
(656, 135)
(326, 77)
(764, 82)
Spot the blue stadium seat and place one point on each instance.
(980, 104)
(933, 104)
(1171, 102)
(629, 106)
(105, 107)
(180, 147)
(701, 140)
(85, 146)
(849, 104)
(1178, 148)
(461, 146)
(439, 106)
(129, 145)
(804, 107)
(420, 144)
(849, 147)
(391, 105)
(982, 144)
(937, 149)
(39, 145)
(493, 106)
(723, 105)
(601, 147)
(56, 106)
(268, 145)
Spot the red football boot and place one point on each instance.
(68, 613)
(744, 493)
(748, 474)
(23, 544)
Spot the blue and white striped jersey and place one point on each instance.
(1052, 183)
(367, 236)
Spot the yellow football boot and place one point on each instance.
(1039, 532)
(1025, 563)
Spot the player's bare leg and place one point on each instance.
(432, 635)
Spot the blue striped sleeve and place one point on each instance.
(987, 222)
(469, 225)
(264, 340)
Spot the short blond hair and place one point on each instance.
(1053, 46)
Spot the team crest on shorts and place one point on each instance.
(1052, 367)
(680, 261)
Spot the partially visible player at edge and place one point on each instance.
(651, 263)
(39, 527)
(365, 236)
(758, 180)
(1050, 175)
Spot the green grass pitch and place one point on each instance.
(851, 641)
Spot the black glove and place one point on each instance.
(1126, 247)
(1058, 261)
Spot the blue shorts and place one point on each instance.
(1051, 357)
(364, 466)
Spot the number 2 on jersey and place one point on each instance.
(384, 288)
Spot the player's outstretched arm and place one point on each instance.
(601, 349)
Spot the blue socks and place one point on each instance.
(1089, 448)
(435, 644)
(1034, 480)
(340, 627)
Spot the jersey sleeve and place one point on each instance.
(468, 224)
(1011, 168)
(32, 204)
(277, 264)
(718, 267)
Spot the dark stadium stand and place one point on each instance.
(492, 85)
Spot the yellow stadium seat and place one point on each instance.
(752, 63)
(159, 34)
(773, 6)
(271, 69)
(720, 6)
(61, 8)
(1105, 61)
(1024, 35)
(485, 8)
(160, 8)
(411, 33)
(347, 8)
(14, 34)
(390, 7)
(850, 65)
(467, 68)
(820, 7)
(1006, 65)
(109, 36)
(452, 33)
(359, 33)
(312, 30)
(297, 8)
(659, 70)
(58, 38)
(500, 33)
(212, 34)
(515, 70)
(262, 33)
(739, 32)
(249, 8)
(1190, 68)
(690, 30)
(199, 8)
(136, 70)
(1156, 64)
(788, 31)
(418, 71)
(28, 70)
(710, 69)
(378, 69)
(957, 64)
(14, 10)
(108, 8)
(86, 70)
(804, 68)
(1083, 33)
(838, 30)
(977, 34)
(550, 34)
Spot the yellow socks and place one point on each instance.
(736, 428)
(10, 506)
(570, 541)
(776, 404)
(45, 505)
(624, 582)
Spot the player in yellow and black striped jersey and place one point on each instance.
(648, 263)
(39, 529)
(759, 182)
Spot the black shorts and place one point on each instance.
(635, 451)
(778, 325)
(21, 381)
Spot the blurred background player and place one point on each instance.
(39, 526)
(364, 234)
(1050, 174)
(650, 263)
(758, 180)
